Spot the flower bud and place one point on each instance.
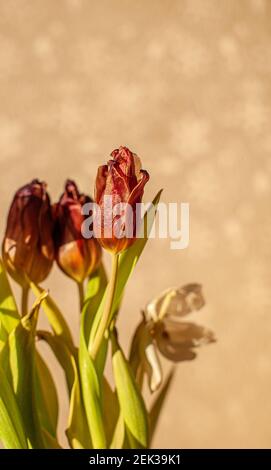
(76, 256)
(28, 249)
(119, 187)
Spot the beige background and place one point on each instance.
(186, 85)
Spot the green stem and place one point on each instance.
(104, 323)
(81, 295)
(24, 300)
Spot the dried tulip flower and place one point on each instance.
(119, 187)
(162, 329)
(28, 248)
(77, 257)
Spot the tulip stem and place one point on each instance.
(105, 320)
(24, 300)
(81, 295)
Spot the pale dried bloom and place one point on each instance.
(162, 329)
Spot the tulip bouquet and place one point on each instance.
(103, 413)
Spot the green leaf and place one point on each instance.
(17, 360)
(131, 402)
(118, 437)
(100, 359)
(55, 317)
(62, 354)
(91, 391)
(89, 378)
(9, 315)
(110, 410)
(94, 294)
(50, 441)
(158, 404)
(46, 397)
(132, 442)
(127, 262)
(22, 357)
(3, 336)
(4, 359)
(77, 431)
(11, 427)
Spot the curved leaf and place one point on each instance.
(110, 412)
(62, 354)
(91, 394)
(94, 294)
(131, 402)
(11, 427)
(9, 315)
(3, 336)
(77, 431)
(50, 441)
(46, 397)
(22, 357)
(89, 379)
(55, 317)
(17, 359)
(159, 403)
(118, 437)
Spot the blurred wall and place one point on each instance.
(185, 84)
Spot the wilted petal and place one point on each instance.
(153, 367)
(144, 357)
(176, 302)
(76, 256)
(137, 166)
(128, 163)
(120, 186)
(28, 250)
(177, 341)
(100, 182)
(137, 193)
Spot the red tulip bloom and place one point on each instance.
(76, 256)
(119, 187)
(28, 249)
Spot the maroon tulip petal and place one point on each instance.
(125, 158)
(71, 191)
(120, 185)
(76, 256)
(28, 250)
(100, 182)
(137, 193)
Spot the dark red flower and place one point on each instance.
(28, 249)
(123, 180)
(76, 256)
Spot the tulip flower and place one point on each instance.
(119, 187)
(28, 249)
(162, 330)
(77, 257)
